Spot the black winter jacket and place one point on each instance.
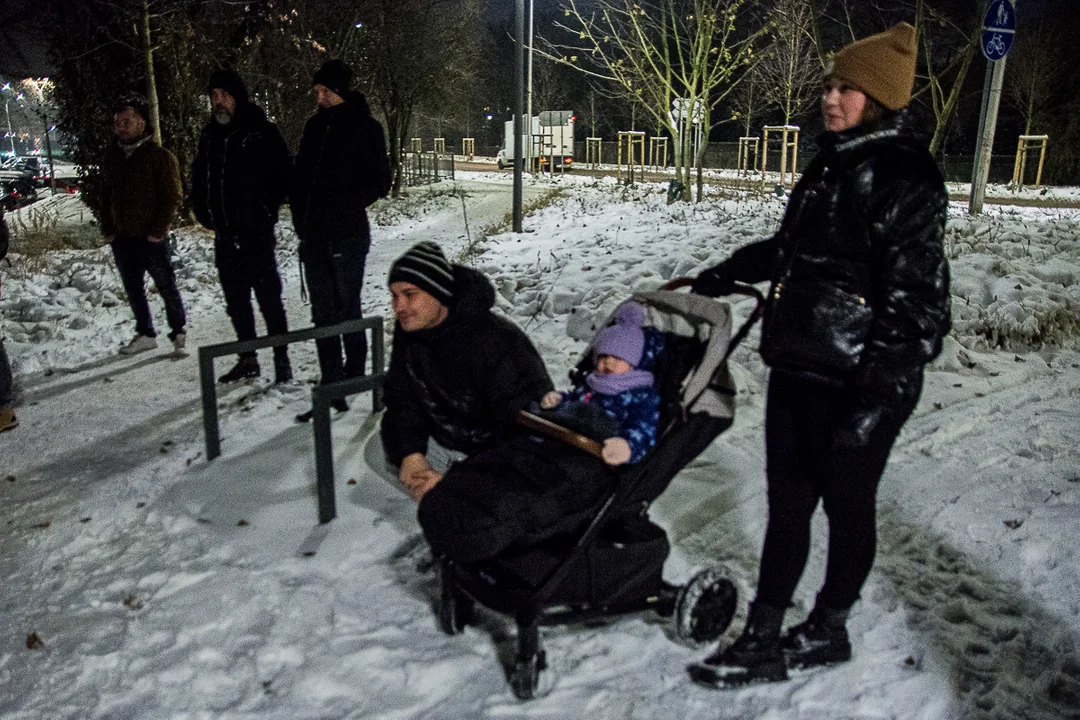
(462, 382)
(341, 168)
(859, 291)
(240, 176)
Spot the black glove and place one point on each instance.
(714, 282)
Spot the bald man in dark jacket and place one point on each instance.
(239, 181)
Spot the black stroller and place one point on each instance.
(611, 562)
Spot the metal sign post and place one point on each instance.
(999, 27)
(519, 110)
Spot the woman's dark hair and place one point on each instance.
(872, 113)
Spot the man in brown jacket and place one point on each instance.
(140, 193)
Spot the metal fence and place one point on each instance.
(725, 155)
(959, 168)
(425, 168)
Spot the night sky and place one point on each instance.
(23, 42)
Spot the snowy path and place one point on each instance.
(105, 436)
(160, 585)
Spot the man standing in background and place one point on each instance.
(239, 180)
(140, 193)
(341, 169)
(7, 395)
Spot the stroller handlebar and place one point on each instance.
(566, 435)
(677, 283)
(737, 288)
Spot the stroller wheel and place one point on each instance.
(705, 607)
(525, 678)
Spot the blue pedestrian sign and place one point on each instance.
(999, 27)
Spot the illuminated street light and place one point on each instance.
(10, 135)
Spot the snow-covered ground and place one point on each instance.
(138, 580)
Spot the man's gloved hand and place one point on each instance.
(714, 282)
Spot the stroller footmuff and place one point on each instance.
(545, 532)
(518, 492)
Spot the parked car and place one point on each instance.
(16, 193)
(35, 168)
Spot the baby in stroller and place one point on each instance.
(526, 487)
(625, 393)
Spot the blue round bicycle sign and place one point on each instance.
(999, 27)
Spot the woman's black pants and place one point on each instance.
(805, 465)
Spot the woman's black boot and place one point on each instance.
(754, 657)
(821, 640)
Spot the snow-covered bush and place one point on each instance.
(1014, 279)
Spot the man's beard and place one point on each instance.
(224, 117)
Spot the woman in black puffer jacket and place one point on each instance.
(858, 304)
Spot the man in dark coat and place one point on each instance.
(341, 168)
(7, 395)
(139, 195)
(239, 181)
(458, 373)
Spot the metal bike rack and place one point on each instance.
(321, 395)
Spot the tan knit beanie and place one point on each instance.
(882, 65)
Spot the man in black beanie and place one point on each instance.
(239, 181)
(341, 168)
(458, 374)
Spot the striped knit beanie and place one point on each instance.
(425, 266)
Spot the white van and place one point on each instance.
(552, 137)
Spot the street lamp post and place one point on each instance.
(48, 151)
(528, 91)
(7, 111)
(519, 109)
(10, 132)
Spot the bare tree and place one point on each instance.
(748, 101)
(1036, 70)
(137, 29)
(413, 54)
(656, 51)
(35, 95)
(548, 92)
(949, 45)
(789, 70)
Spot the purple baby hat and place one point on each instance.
(625, 338)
